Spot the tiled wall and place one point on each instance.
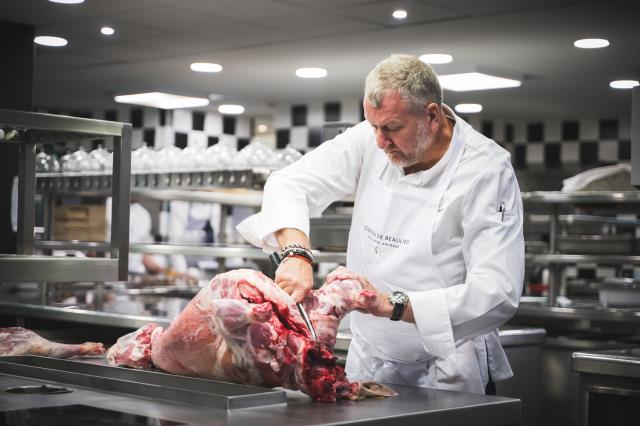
(301, 124)
(181, 127)
(548, 144)
(544, 151)
(579, 142)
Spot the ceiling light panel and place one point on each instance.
(162, 100)
(205, 67)
(230, 109)
(475, 81)
(50, 41)
(311, 72)
(399, 14)
(624, 84)
(436, 58)
(468, 108)
(591, 43)
(67, 1)
(379, 12)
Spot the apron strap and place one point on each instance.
(490, 388)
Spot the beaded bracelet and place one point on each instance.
(299, 257)
(306, 253)
(297, 252)
(296, 246)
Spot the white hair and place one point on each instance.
(415, 82)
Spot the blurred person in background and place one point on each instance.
(141, 264)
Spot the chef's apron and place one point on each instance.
(390, 243)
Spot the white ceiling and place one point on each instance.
(260, 43)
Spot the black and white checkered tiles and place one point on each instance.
(301, 125)
(578, 143)
(581, 143)
(181, 127)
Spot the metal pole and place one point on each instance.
(26, 197)
(553, 229)
(44, 293)
(48, 203)
(222, 234)
(99, 295)
(121, 199)
(554, 272)
(222, 231)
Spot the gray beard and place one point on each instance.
(422, 144)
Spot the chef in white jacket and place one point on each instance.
(436, 233)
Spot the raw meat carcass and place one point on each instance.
(243, 328)
(20, 341)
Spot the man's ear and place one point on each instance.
(432, 115)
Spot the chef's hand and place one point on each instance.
(295, 276)
(381, 307)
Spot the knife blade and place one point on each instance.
(275, 260)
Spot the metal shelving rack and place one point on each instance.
(29, 129)
(246, 197)
(212, 250)
(557, 205)
(100, 182)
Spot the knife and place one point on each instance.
(275, 260)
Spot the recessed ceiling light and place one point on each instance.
(262, 128)
(436, 58)
(468, 108)
(107, 31)
(67, 1)
(205, 67)
(475, 81)
(230, 109)
(624, 84)
(591, 43)
(311, 72)
(162, 100)
(50, 41)
(399, 14)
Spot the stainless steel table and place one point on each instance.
(413, 406)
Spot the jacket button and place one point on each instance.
(377, 249)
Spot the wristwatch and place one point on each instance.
(399, 300)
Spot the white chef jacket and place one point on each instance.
(478, 249)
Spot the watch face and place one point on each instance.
(399, 297)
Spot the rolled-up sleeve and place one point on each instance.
(493, 253)
(305, 188)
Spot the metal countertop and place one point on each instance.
(413, 406)
(614, 362)
(84, 316)
(595, 312)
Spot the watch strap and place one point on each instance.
(398, 310)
